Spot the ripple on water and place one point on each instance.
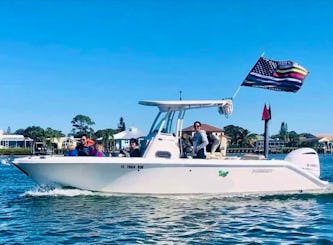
(65, 216)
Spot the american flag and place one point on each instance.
(285, 76)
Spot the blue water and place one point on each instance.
(32, 216)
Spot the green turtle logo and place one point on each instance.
(223, 173)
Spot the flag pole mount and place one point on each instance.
(266, 116)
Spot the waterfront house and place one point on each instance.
(274, 145)
(327, 142)
(14, 141)
(122, 138)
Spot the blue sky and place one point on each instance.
(99, 58)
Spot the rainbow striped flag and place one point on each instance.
(284, 76)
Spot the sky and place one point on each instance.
(99, 58)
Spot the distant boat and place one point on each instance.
(166, 168)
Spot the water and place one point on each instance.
(32, 216)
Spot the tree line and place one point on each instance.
(81, 124)
(243, 138)
(238, 136)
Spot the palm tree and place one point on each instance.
(121, 125)
(246, 139)
(82, 123)
(106, 135)
(240, 137)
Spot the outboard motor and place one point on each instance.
(305, 158)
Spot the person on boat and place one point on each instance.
(71, 150)
(186, 144)
(223, 144)
(99, 150)
(86, 147)
(214, 142)
(200, 141)
(134, 150)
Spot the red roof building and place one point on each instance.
(208, 128)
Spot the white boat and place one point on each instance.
(165, 169)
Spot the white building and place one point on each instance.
(123, 138)
(14, 141)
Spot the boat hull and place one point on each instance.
(167, 176)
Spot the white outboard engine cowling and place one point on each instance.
(305, 158)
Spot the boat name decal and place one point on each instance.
(131, 166)
(262, 171)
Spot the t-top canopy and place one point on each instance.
(178, 105)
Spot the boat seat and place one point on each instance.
(216, 155)
(253, 157)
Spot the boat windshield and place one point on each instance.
(163, 123)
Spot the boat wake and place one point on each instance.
(5, 161)
(68, 192)
(57, 192)
(72, 192)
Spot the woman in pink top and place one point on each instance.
(99, 150)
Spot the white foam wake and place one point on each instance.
(59, 192)
(39, 192)
(5, 161)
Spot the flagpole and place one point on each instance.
(266, 140)
(266, 116)
(239, 87)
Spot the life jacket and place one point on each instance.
(90, 142)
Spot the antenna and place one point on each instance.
(180, 95)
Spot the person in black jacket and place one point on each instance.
(86, 147)
(134, 148)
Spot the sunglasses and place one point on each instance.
(197, 126)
